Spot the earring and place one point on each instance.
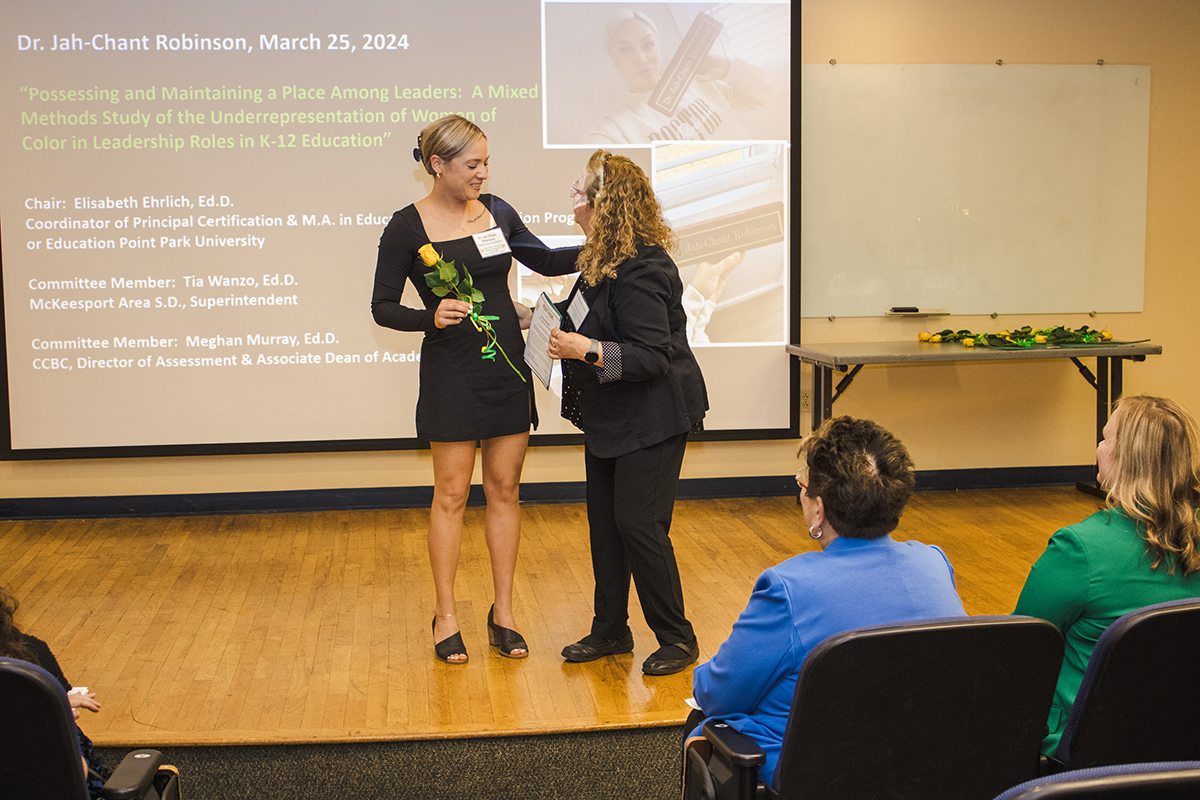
(815, 532)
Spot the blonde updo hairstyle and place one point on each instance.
(447, 138)
(626, 215)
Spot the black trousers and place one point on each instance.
(630, 499)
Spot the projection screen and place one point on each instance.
(191, 198)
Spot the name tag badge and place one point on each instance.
(578, 310)
(491, 243)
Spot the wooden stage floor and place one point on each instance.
(314, 627)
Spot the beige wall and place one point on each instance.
(1035, 414)
(952, 417)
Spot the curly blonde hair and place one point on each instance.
(1156, 478)
(625, 216)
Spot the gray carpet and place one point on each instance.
(627, 765)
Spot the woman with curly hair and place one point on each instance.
(1143, 549)
(632, 385)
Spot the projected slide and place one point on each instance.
(191, 197)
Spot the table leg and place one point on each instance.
(1116, 381)
(1108, 389)
(822, 398)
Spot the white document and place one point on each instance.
(545, 319)
(578, 309)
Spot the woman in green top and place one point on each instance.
(1141, 550)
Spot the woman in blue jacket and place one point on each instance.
(855, 480)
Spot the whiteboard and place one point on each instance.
(976, 189)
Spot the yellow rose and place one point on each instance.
(1040, 339)
(1106, 335)
(937, 337)
(923, 336)
(968, 342)
(429, 255)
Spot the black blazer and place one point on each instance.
(660, 392)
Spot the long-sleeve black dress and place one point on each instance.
(462, 396)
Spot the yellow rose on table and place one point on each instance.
(428, 255)
(968, 342)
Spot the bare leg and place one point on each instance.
(503, 458)
(453, 463)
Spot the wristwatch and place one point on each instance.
(593, 353)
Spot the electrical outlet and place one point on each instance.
(805, 400)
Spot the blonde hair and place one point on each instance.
(1156, 478)
(620, 18)
(447, 138)
(625, 216)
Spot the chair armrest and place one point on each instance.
(735, 747)
(132, 776)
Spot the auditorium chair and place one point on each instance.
(39, 750)
(950, 708)
(1138, 701)
(1171, 780)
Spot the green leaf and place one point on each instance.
(440, 291)
(476, 296)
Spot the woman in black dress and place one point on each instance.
(632, 385)
(463, 397)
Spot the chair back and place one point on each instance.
(39, 750)
(1138, 700)
(1174, 780)
(949, 708)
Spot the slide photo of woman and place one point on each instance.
(665, 72)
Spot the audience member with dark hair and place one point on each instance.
(1143, 549)
(15, 644)
(855, 479)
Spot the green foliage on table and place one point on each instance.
(1025, 338)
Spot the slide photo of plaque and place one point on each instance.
(666, 72)
(727, 206)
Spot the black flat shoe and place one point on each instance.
(452, 645)
(505, 639)
(591, 647)
(671, 658)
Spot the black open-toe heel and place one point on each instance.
(452, 645)
(505, 639)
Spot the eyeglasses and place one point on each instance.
(574, 190)
(801, 483)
